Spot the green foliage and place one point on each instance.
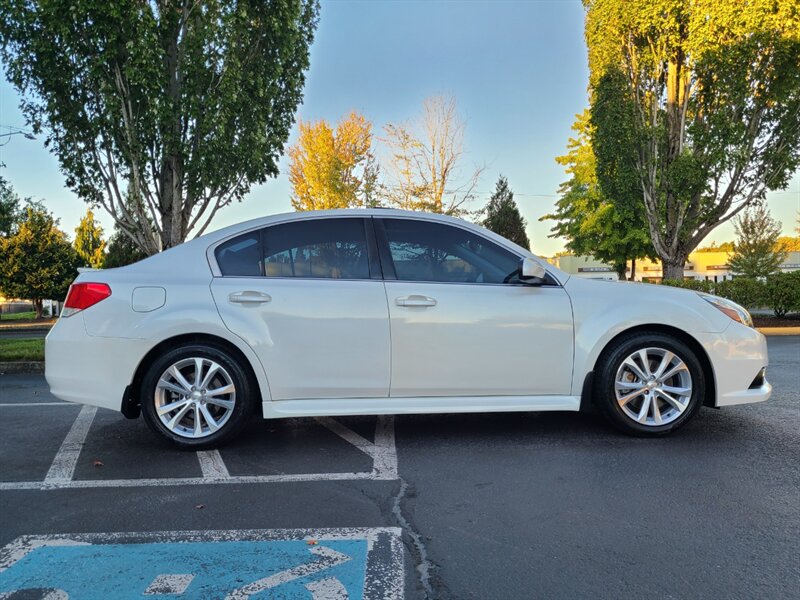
(698, 285)
(89, 242)
(502, 216)
(186, 104)
(757, 236)
(121, 251)
(783, 293)
(9, 208)
(611, 229)
(780, 292)
(750, 293)
(37, 262)
(707, 114)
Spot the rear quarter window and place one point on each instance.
(241, 256)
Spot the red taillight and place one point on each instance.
(84, 295)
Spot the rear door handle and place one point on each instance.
(249, 297)
(415, 300)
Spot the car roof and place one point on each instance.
(317, 214)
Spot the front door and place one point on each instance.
(305, 296)
(458, 329)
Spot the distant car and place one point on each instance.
(363, 312)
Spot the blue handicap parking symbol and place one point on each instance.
(346, 564)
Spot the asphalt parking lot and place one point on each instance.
(547, 505)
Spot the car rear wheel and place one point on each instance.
(649, 384)
(196, 396)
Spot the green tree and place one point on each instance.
(186, 103)
(757, 253)
(89, 242)
(37, 262)
(9, 208)
(715, 92)
(121, 251)
(502, 216)
(591, 222)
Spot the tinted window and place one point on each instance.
(240, 256)
(423, 251)
(324, 248)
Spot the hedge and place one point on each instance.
(780, 292)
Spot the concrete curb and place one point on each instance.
(22, 366)
(26, 327)
(779, 330)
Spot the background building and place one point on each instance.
(709, 266)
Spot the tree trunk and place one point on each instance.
(672, 267)
(621, 270)
(37, 306)
(633, 270)
(171, 173)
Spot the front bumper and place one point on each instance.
(737, 356)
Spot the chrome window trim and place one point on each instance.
(215, 271)
(212, 258)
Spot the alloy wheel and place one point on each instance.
(653, 386)
(195, 397)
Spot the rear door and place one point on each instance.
(307, 296)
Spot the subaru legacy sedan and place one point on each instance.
(367, 312)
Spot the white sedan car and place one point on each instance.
(363, 312)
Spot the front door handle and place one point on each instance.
(415, 300)
(249, 297)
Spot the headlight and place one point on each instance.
(733, 310)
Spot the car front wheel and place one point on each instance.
(649, 384)
(196, 396)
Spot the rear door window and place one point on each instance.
(319, 248)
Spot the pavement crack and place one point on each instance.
(416, 547)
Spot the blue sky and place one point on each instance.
(517, 69)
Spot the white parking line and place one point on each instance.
(181, 481)
(66, 459)
(385, 457)
(212, 465)
(382, 452)
(214, 471)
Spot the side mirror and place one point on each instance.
(531, 269)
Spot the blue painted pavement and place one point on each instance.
(124, 571)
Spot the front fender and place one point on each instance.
(604, 310)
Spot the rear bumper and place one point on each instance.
(90, 370)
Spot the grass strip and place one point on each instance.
(12, 350)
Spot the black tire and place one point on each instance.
(232, 419)
(605, 384)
